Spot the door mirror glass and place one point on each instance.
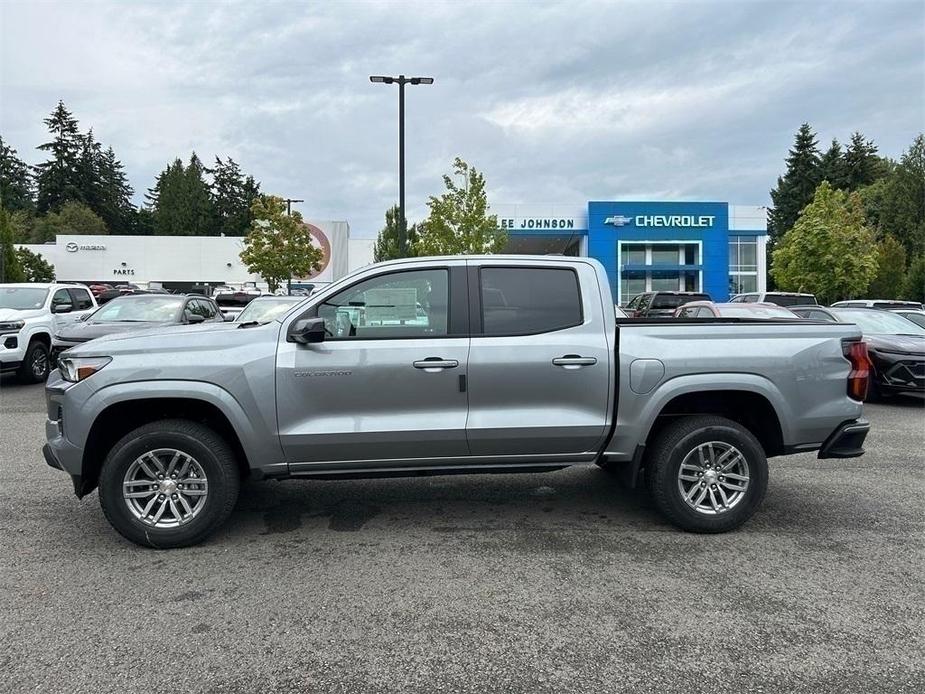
(306, 331)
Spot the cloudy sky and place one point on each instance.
(555, 102)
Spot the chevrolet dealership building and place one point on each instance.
(713, 247)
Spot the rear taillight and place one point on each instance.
(859, 376)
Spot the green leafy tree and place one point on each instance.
(10, 269)
(232, 195)
(15, 181)
(795, 189)
(832, 166)
(58, 179)
(459, 221)
(914, 285)
(387, 242)
(73, 218)
(278, 246)
(891, 269)
(830, 251)
(34, 267)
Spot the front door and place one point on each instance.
(388, 382)
(539, 366)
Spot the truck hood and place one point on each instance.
(82, 332)
(170, 338)
(10, 314)
(907, 344)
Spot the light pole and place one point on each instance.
(401, 81)
(289, 202)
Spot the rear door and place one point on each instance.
(388, 384)
(539, 362)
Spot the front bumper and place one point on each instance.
(899, 373)
(847, 441)
(12, 351)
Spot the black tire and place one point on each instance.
(212, 453)
(673, 443)
(30, 371)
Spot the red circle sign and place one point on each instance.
(321, 240)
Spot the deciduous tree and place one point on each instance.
(459, 221)
(891, 269)
(387, 241)
(72, 218)
(830, 251)
(914, 286)
(278, 246)
(34, 267)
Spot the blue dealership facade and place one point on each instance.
(713, 247)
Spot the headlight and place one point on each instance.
(11, 326)
(76, 369)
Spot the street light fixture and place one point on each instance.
(401, 81)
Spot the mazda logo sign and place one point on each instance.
(71, 247)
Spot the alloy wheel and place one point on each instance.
(165, 488)
(713, 477)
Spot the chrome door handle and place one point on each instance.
(435, 363)
(574, 360)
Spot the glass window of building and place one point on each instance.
(665, 281)
(633, 254)
(665, 254)
(631, 284)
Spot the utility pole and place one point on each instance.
(401, 81)
(289, 202)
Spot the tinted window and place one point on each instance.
(675, 300)
(399, 304)
(80, 299)
(61, 297)
(785, 300)
(704, 312)
(523, 301)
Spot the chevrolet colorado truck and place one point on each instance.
(451, 365)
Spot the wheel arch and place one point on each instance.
(119, 417)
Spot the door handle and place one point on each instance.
(435, 364)
(574, 360)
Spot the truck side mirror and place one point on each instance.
(306, 331)
(62, 308)
(193, 318)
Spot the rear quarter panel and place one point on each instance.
(798, 367)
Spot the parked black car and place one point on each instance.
(661, 304)
(136, 312)
(896, 346)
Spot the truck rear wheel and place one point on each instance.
(169, 483)
(706, 474)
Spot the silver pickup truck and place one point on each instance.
(449, 365)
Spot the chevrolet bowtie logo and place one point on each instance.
(618, 220)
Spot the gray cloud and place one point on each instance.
(555, 102)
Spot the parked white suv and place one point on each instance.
(30, 314)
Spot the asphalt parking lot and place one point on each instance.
(542, 583)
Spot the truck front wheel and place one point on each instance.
(706, 474)
(35, 364)
(169, 483)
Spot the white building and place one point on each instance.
(180, 262)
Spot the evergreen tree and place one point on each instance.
(10, 269)
(899, 200)
(862, 166)
(387, 242)
(181, 202)
(795, 189)
(57, 179)
(15, 180)
(832, 166)
(88, 172)
(232, 195)
(115, 204)
(459, 221)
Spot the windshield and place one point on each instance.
(753, 311)
(22, 298)
(265, 310)
(139, 308)
(789, 299)
(874, 322)
(917, 318)
(675, 300)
